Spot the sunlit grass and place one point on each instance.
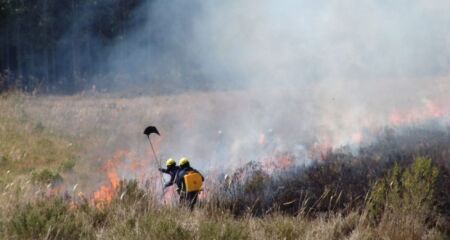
(26, 144)
(44, 139)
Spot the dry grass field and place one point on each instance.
(57, 151)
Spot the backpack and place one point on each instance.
(193, 181)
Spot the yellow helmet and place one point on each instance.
(170, 162)
(183, 161)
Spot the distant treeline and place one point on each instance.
(54, 45)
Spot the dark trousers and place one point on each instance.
(188, 199)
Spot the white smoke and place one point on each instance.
(306, 69)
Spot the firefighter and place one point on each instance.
(186, 198)
(172, 170)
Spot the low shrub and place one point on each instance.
(47, 219)
(4, 160)
(46, 176)
(407, 191)
(68, 164)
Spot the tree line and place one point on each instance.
(53, 45)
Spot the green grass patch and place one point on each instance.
(45, 176)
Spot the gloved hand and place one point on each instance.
(160, 169)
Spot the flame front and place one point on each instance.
(429, 110)
(106, 193)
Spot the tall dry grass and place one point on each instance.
(46, 139)
(138, 215)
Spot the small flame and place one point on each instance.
(434, 110)
(278, 162)
(429, 110)
(106, 193)
(114, 179)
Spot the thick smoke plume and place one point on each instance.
(303, 73)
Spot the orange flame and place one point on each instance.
(429, 110)
(106, 193)
(278, 162)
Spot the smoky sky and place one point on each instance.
(251, 43)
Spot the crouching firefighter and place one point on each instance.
(172, 170)
(189, 182)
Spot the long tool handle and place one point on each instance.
(154, 153)
(157, 160)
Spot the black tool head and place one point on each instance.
(150, 129)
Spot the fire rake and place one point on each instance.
(149, 130)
